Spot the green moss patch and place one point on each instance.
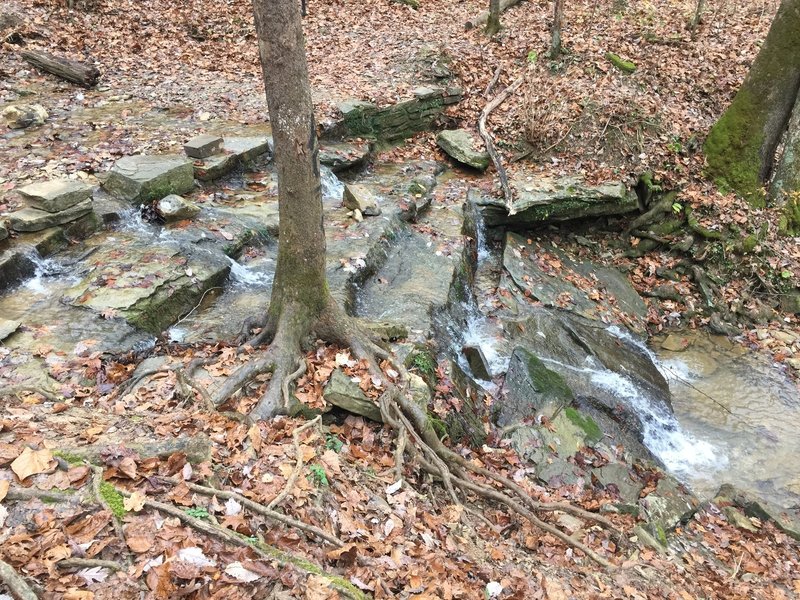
(626, 66)
(586, 423)
(113, 499)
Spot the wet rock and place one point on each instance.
(422, 185)
(785, 519)
(152, 285)
(143, 178)
(618, 476)
(55, 196)
(22, 116)
(675, 343)
(340, 156)
(646, 538)
(341, 391)
(669, 505)
(3, 232)
(460, 144)
(14, 267)
(557, 472)
(360, 197)
(7, 327)
(531, 389)
(477, 362)
(544, 200)
(176, 208)
(33, 219)
(203, 146)
(236, 151)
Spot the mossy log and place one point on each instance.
(74, 71)
(741, 146)
(197, 449)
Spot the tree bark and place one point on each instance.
(741, 146)
(555, 32)
(484, 16)
(786, 181)
(300, 292)
(493, 22)
(73, 71)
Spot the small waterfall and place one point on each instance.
(249, 277)
(45, 268)
(332, 188)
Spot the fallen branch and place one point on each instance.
(264, 550)
(483, 17)
(15, 583)
(89, 563)
(487, 139)
(73, 71)
(197, 449)
(259, 509)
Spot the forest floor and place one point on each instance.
(197, 63)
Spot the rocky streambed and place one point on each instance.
(543, 345)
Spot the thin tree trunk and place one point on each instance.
(493, 22)
(555, 32)
(740, 148)
(698, 15)
(300, 286)
(484, 16)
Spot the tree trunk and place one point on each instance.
(786, 181)
(493, 22)
(76, 72)
(484, 16)
(555, 33)
(300, 292)
(740, 147)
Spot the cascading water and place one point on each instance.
(248, 276)
(332, 188)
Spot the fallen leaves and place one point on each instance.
(33, 462)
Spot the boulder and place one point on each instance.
(540, 200)
(477, 362)
(14, 267)
(33, 219)
(617, 476)
(340, 156)
(203, 146)
(3, 232)
(56, 196)
(668, 506)
(460, 144)
(362, 198)
(531, 390)
(785, 519)
(7, 327)
(341, 391)
(143, 178)
(176, 208)
(21, 116)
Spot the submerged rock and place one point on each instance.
(543, 200)
(7, 327)
(33, 219)
(55, 196)
(176, 208)
(341, 391)
(143, 178)
(460, 145)
(22, 116)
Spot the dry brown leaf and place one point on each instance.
(32, 462)
(134, 502)
(3, 488)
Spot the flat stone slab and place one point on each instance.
(347, 395)
(7, 327)
(150, 285)
(461, 145)
(235, 151)
(57, 195)
(143, 178)
(544, 273)
(340, 156)
(539, 200)
(203, 146)
(33, 219)
(361, 197)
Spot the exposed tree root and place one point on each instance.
(97, 482)
(259, 509)
(344, 587)
(287, 489)
(18, 587)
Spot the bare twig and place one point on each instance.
(84, 563)
(493, 82)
